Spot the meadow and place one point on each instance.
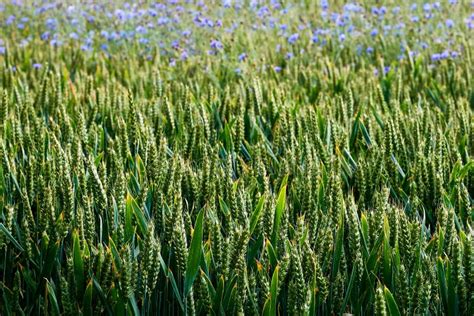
(236, 157)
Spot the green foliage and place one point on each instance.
(131, 189)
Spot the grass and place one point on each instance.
(132, 185)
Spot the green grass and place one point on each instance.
(131, 187)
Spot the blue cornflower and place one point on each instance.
(186, 33)
(293, 38)
(215, 44)
(45, 36)
(175, 44)
(427, 7)
(238, 71)
(209, 23)
(289, 55)
(163, 20)
(141, 29)
(324, 4)
(55, 42)
(10, 20)
(242, 57)
(386, 70)
(415, 19)
(454, 54)
(412, 54)
(184, 55)
(277, 68)
(51, 23)
(86, 47)
(143, 40)
(2, 50)
(435, 57)
(374, 32)
(445, 54)
(449, 23)
(342, 37)
(369, 50)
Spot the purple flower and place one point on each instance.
(242, 57)
(238, 71)
(2, 50)
(186, 33)
(86, 47)
(324, 4)
(386, 70)
(445, 55)
(454, 54)
(289, 55)
(277, 68)
(215, 44)
(369, 50)
(184, 55)
(374, 32)
(435, 57)
(55, 42)
(141, 29)
(342, 37)
(449, 23)
(175, 44)
(51, 23)
(45, 36)
(427, 7)
(293, 38)
(10, 20)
